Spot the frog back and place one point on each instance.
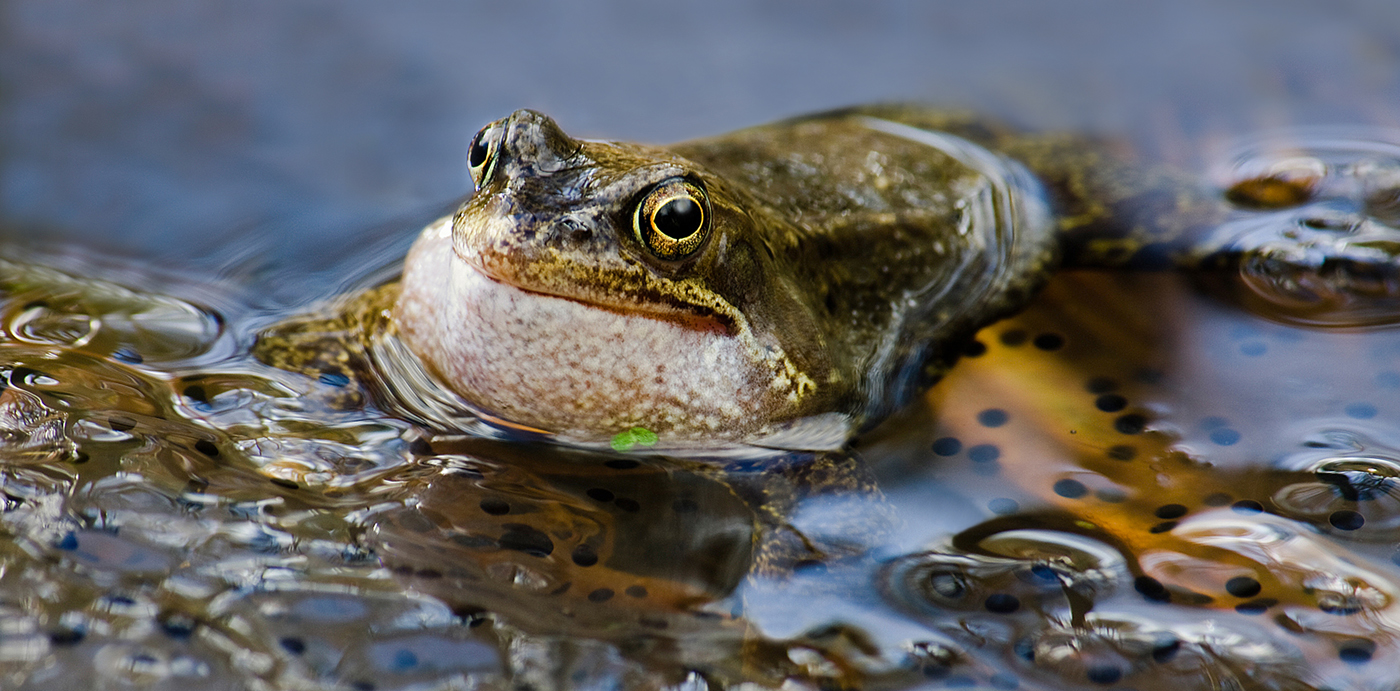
(904, 238)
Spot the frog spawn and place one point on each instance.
(1059, 619)
(1354, 491)
(649, 555)
(1067, 611)
(1255, 528)
(141, 545)
(1083, 617)
(197, 529)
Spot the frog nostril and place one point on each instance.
(575, 230)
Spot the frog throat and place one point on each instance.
(584, 372)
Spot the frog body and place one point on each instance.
(834, 264)
(784, 286)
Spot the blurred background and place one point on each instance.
(174, 130)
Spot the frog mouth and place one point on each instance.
(647, 304)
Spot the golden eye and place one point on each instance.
(673, 220)
(481, 153)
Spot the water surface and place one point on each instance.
(1145, 481)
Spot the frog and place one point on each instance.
(782, 287)
(785, 286)
(846, 259)
(779, 289)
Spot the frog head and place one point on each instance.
(590, 288)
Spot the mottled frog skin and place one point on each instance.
(784, 286)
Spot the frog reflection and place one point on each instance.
(550, 541)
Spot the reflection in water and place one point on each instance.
(1132, 484)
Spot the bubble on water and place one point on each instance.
(1014, 570)
(1166, 650)
(1352, 487)
(40, 325)
(1319, 239)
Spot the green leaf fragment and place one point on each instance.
(629, 439)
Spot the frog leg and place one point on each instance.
(331, 344)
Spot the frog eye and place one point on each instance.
(673, 219)
(481, 153)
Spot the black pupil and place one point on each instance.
(678, 218)
(476, 154)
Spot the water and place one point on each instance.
(1145, 480)
(1168, 511)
